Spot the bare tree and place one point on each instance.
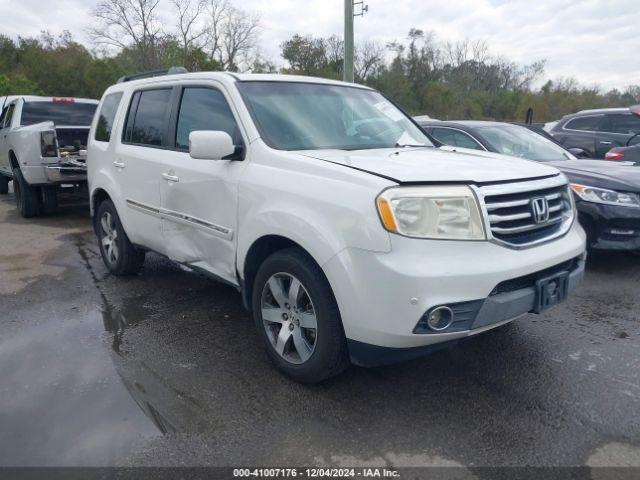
(126, 24)
(240, 35)
(189, 13)
(369, 58)
(231, 34)
(217, 14)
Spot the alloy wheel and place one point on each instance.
(109, 238)
(289, 318)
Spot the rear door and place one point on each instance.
(199, 197)
(140, 161)
(580, 132)
(615, 130)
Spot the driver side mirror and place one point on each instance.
(579, 153)
(210, 145)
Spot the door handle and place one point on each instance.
(119, 164)
(170, 178)
(605, 143)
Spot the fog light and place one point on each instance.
(440, 318)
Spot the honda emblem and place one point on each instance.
(540, 210)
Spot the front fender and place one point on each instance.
(301, 227)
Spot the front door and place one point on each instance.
(199, 197)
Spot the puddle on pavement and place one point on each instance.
(62, 401)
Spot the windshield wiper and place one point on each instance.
(408, 145)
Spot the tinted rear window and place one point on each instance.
(107, 116)
(147, 124)
(67, 113)
(588, 124)
(626, 124)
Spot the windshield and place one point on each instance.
(522, 142)
(307, 116)
(60, 113)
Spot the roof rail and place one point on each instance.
(153, 73)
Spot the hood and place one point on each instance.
(602, 173)
(430, 164)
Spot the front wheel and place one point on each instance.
(120, 256)
(297, 317)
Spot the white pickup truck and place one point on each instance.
(43, 146)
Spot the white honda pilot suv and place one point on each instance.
(348, 233)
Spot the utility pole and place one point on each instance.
(348, 41)
(349, 15)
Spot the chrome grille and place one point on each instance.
(511, 216)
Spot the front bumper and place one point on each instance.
(383, 296)
(610, 227)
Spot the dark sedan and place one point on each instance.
(607, 193)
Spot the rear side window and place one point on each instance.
(148, 115)
(587, 124)
(107, 116)
(204, 109)
(626, 124)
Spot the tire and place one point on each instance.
(118, 253)
(306, 355)
(27, 197)
(4, 185)
(49, 200)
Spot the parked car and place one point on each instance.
(598, 131)
(625, 154)
(607, 193)
(42, 146)
(348, 234)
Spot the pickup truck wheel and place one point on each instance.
(298, 318)
(118, 253)
(49, 200)
(26, 196)
(4, 185)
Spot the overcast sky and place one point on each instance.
(595, 41)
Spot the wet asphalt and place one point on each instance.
(165, 368)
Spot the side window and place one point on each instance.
(465, 141)
(106, 117)
(147, 118)
(204, 109)
(587, 124)
(626, 124)
(443, 135)
(2, 116)
(455, 138)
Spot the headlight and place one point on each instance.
(607, 197)
(443, 212)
